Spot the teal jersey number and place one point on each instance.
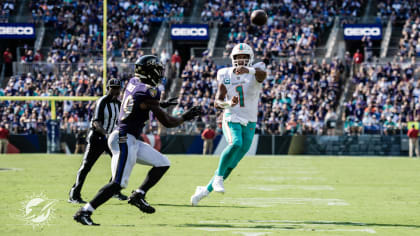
(240, 90)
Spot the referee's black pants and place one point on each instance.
(96, 145)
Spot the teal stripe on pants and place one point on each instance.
(239, 138)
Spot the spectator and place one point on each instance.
(164, 56)
(38, 56)
(176, 61)
(6, 8)
(4, 138)
(208, 136)
(368, 48)
(291, 126)
(331, 121)
(8, 60)
(413, 135)
(389, 126)
(29, 57)
(357, 60)
(352, 126)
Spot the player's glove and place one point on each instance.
(169, 102)
(192, 113)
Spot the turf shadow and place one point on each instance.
(357, 224)
(297, 225)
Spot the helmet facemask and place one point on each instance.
(241, 60)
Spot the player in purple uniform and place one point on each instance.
(140, 97)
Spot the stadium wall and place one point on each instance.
(364, 145)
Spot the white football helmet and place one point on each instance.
(240, 49)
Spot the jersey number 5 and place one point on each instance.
(240, 91)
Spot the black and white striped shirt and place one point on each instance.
(106, 112)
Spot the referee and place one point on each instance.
(102, 124)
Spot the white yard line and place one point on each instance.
(282, 178)
(289, 172)
(299, 187)
(252, 233)
(269, 202)
(219, 229)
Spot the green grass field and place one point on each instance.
(267, 195)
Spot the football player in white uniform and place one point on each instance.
(238, 94)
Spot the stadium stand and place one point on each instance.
(293, 28)
(409, 45)
(405, 18)
(7, 8)
(385, 99)
(78, 24)
(301, 95)
(399, 10)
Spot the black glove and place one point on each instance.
(169, 102)
(192, 113)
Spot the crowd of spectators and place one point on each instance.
(293, 27)
(409, 45)
(51, 79)
(385, 99)
(7, 8)
(78, 24)
(398, 9)
(82, 79)
(298, 97)
(405, 14)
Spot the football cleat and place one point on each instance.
(83, 217)
(218, 184)
(137, 199)
(76, 200)
(200, 193)
(120, 196)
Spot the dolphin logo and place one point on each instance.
(36, 216)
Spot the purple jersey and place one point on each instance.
(131, 119)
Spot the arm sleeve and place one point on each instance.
(221, 76)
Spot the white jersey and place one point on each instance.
(247, 88)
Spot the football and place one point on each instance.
(259, 17)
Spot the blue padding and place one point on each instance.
(33, 139)
(197, 145)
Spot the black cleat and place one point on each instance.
(137, 199)
(83, 217)
(76, 200)
(120, 196)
